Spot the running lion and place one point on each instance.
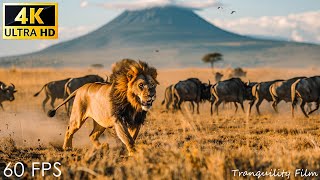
(122, 104)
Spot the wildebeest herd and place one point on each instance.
(234, 90)
(123, 100)
(61, 89)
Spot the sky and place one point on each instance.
(293, 20)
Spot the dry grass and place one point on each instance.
(171, 145)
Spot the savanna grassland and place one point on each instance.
(171, 145)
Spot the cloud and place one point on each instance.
(302, 27)
(140, 4)
(296, 36)
(84, 4)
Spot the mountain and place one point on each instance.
(167, 37)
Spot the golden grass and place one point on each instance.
(171, 145)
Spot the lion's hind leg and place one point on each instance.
(95, 134)
(76, 121)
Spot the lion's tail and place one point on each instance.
(52, 112)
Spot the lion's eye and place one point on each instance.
(141, 85)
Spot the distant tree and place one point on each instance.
(212, 58)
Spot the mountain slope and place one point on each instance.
(152, 26)
(181, 36)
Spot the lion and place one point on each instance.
(123, 103)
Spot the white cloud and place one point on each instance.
(84, 4)
(140, 4)
(296, 36)
(198, 4)
(297, 27)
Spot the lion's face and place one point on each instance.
(142, 91)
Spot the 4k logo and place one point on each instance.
(30, 21)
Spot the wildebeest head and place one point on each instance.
(7, 92)
(205, 91)
(248, 90)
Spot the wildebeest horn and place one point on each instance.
(2, 86)
(13, 86)
(209, 82)
(248, 83)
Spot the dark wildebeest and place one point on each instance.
(218, 76)
(205, 91)
(187, 90)
(168, 99)
(281, 90)
(260, 92)
(53, 90)
(6, 93)
(308, 90)
(75, 83)
(231, 90)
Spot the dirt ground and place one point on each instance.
(171, 145)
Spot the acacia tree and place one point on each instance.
(212, 58)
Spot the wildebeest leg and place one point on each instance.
(1, 106)
(69, 109)
(95, 134)
(179, 105)
(275, 104)
(251, 103)
(236, 106)
(317, 107)
(45, 102)
(293, 104)
(169, 101)
(211, 108)
(302, 108)
(309, 107)
(176, 101)
(168, 104)
(52, 102)
(76, 121)
(198, 112)
(134, 132)
(125, 137)
(216, 104)
(192, 106)
(257, 106)
(242, 107)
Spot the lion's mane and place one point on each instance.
(124, 106)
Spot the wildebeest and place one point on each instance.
(75, 83)
(231, 90)
(281, 90)
(205, 91)
(187, 90)
(308, 90)
(6, 93)
(168, 99)
(236, 73)
(260, 92)
(53, 90)
(218, 76)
